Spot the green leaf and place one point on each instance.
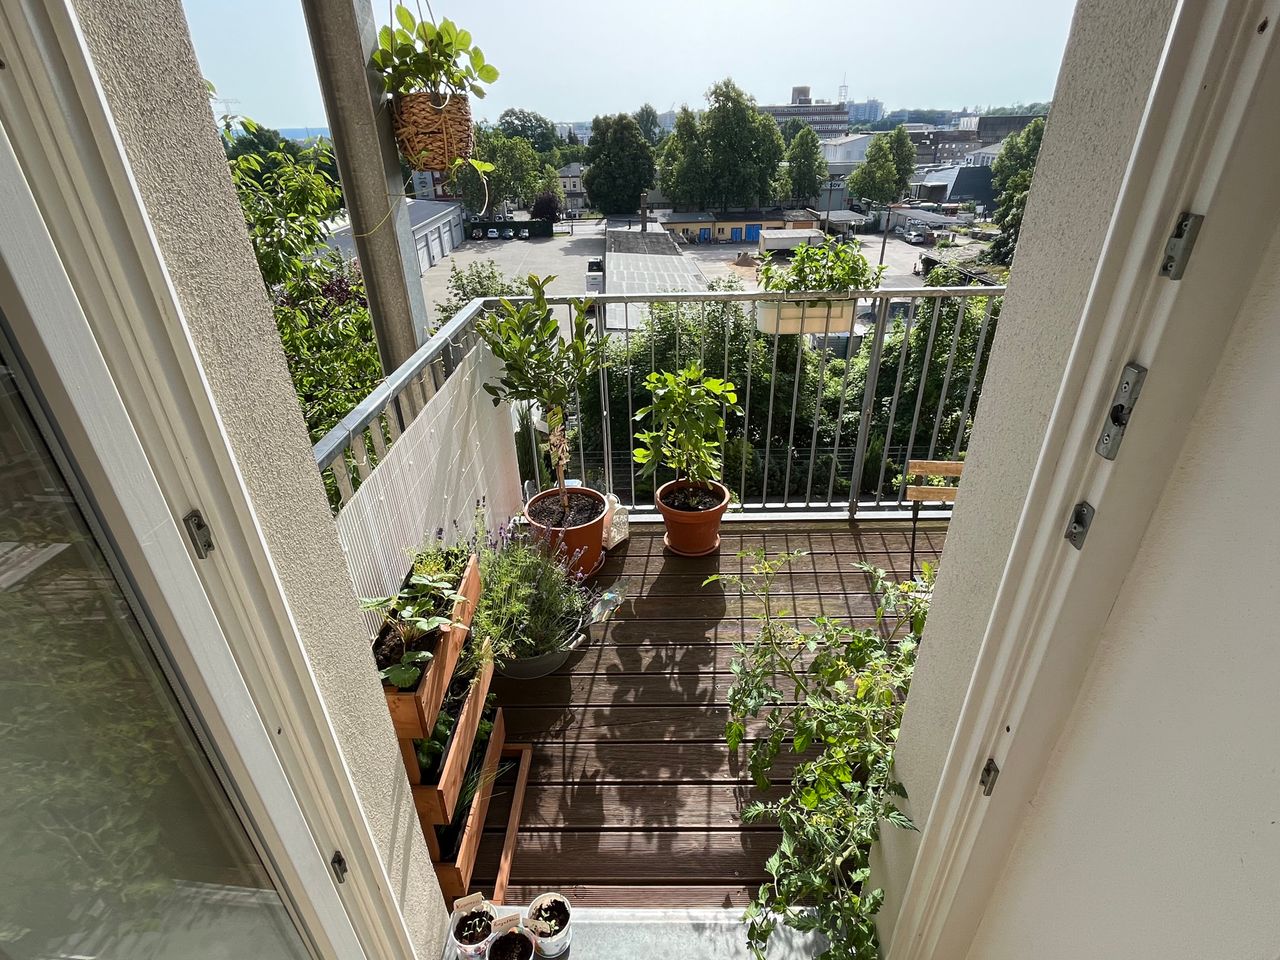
(405, 18)
(386, 39)
(488, 73)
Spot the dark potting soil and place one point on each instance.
(692, 499)
(511, 946)
(550, 512)
(473, 927)
(388, 648)
(554, 913)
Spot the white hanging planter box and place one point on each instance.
(799, 316)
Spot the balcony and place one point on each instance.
(633, 796)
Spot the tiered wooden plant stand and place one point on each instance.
(413, 714)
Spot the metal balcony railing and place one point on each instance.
(830, 415)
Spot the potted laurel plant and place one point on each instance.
(688, 436)
(543, 367)
(429, 71)
(832, 266)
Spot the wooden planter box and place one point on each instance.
(413, 712)
(435, 802)
(818, 316)
(492, 754)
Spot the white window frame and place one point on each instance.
(91, 309)
(1201, 149)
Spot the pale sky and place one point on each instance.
(572, 61)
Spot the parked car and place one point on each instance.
(914, 236)
(492, 233)
(508, 234)
(477, 234)
(498, 217)
(524, 233)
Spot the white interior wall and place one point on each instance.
(1156, 829)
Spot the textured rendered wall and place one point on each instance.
(1154, 832)
(1107, 71)
(145, 61)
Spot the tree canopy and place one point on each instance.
(685, 172)
(876, 178)
(904, 157)
(650, 127)
(621, 164)
(1011, 179)
(790, 127)
(806, 167)
(479, 279)
(517, 168)
(534, 127)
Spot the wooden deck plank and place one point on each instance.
(592, 762)
(630, 632)
(635, 806)
(655, 658)
(721, 605)
(680, 897)
(618, 723)
(689, 685)
(626, 562)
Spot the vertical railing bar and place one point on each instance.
(893, 404)
(582, 453)
(631, 424)
(379, 438)
(533, 445)
(795, 395)
(868, 404)
(946, 377)
(395, 418)
(973, 376)
(606, 432)
(359, 448)
(342, 477)
(924, 378)
(844, 389)
(746, 407)
(702, 340)
(817, 406)
(768, 423)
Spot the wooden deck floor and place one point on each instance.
(633, 796)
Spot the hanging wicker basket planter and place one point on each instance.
(431, 130)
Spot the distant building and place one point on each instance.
(667, 120)
(995, 129)
(575, 195)
(433, 185)
(983, 156)
(848, 149)
(437, 229)
(954, 184)
(967, 123)
(580, 128)
(827, 119)
(944, 146)
(865, 111)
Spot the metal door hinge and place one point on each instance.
(1078, 528)
(1121, 410)
(1178, 250)
(339, 865)
(990, 771)
(199, 532)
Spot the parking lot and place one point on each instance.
(716, 260)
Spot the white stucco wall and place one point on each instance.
(1156, 829)
(1107, 70)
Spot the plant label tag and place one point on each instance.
(540, 927)
(506, 924)
(466, 903)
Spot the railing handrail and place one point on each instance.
(765, 296)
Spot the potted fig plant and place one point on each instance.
(688, 436)
(429, 70)
(542, 366)
(831, 265)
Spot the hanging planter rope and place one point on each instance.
(432, 131)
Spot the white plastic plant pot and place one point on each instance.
(511, 941)
(463, 910)
(550, 944)
(798, 316)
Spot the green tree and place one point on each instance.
(531, 126)
(650, 127)
(685, 172)
(876, 178)
(904, 157)
(621, 164)
(806, 167)
(1011, 179)
(572, 139)
(549, 183)
(744, 148)
(265, 143)
(790, 127)
(1035, 108)
(516, 168)
(479, 279)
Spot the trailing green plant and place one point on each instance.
(532, 603)
(831, 265)
(419, 57)
(834, 695)
(688, 410)
(539, 364)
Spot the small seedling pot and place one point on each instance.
(471, 951)
(498, 949)
(552, 944)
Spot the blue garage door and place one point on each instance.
(704, 235)
(753, 232)
(735, 234)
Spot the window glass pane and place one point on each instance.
(119, 841)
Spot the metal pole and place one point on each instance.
(884, 234)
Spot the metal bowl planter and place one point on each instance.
(432, 131)
(542, 664)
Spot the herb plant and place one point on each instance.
(541, 366)
(688, 410)
(830, 265)
(419, 57)
(836, 694)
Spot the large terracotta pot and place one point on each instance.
(583, 544)
(692, 533)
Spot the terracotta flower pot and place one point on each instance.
(583, 545)
(692, 533)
